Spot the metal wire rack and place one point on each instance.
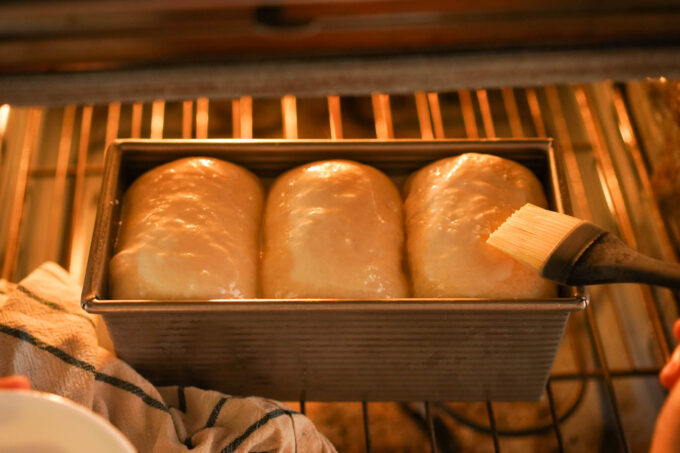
(602, 394)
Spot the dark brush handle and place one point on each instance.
(609, 260)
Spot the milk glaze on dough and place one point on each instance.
(333, 229)
(452, 206)
(189, 230)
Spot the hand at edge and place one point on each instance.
(15, 383)
(670, 373)
(666, 437)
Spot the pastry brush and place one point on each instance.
(572, 251)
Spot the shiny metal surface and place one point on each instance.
(465, 338)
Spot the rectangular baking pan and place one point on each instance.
(459, 349)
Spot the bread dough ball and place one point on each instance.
(189, 230)
(452, 206)
(333, 229)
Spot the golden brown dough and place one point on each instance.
(189, 230)
(451, 207)
(333, 229)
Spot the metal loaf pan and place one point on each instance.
(333, 350)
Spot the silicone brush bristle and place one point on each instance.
(531, 234)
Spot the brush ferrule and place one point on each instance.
(565, 255)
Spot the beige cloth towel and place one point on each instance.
(45, 335)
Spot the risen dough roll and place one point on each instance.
(452, 207)
(189, 230)
(333, 229)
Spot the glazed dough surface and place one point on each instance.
(333, 229)
(452, 206)
(189, 230)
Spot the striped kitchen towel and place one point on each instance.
(45, 335)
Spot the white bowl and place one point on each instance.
(37, 422)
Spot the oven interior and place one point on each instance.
(620, 143)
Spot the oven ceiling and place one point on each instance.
(89, 51)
